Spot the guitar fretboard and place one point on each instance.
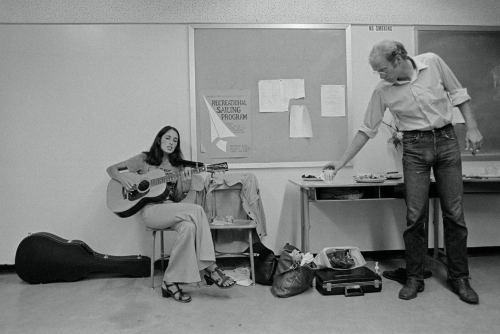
(173, 176)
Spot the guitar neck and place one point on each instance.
(174, 176)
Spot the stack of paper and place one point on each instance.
(240, 275)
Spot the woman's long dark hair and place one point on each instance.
(155, 155)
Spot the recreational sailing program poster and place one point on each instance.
(226, 123)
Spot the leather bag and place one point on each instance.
(265, 264)
(291, 278)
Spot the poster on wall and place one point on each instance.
(226, 123)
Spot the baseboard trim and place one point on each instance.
(368, 255)
(400, 253)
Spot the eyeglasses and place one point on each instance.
(381, 72)
(393, 59)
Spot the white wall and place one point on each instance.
(75, 98)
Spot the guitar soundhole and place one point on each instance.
(143, 186)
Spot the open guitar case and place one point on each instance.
(44, 257)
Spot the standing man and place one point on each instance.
(420, 92)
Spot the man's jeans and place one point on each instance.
(439, 150)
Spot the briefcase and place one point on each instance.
(353, 282)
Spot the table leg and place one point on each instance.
(305, 224)
(153, 262)
(162, 254)
(252, 267)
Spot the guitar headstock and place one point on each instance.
(220, 167)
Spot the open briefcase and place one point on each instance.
(353, 282)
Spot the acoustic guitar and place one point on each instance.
(43, 257)
(151, 187)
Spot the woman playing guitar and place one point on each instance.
(192, 256)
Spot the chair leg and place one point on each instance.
(250, 241)
(153, 262)
(162, 252)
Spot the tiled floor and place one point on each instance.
(128, 305)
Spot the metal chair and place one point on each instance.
(196, 196)
(239, 224)
(163, 256)
(225, 201)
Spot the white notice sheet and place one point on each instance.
(332, 100)
(300, 122)
(274, 95)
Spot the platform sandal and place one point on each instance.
(181, 297)
(223, 278)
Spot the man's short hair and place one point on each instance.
(388, 50)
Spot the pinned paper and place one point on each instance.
(332, 100)
(229, 114)
(300, 122)
(274, 95)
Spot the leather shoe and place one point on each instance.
(411, 288)
(464, 290)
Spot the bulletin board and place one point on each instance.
(473, 54)
(237, 57)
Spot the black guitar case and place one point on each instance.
(44, 257)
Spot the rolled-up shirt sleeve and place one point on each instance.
(457, 93)
(459, 96)
(373, 115)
